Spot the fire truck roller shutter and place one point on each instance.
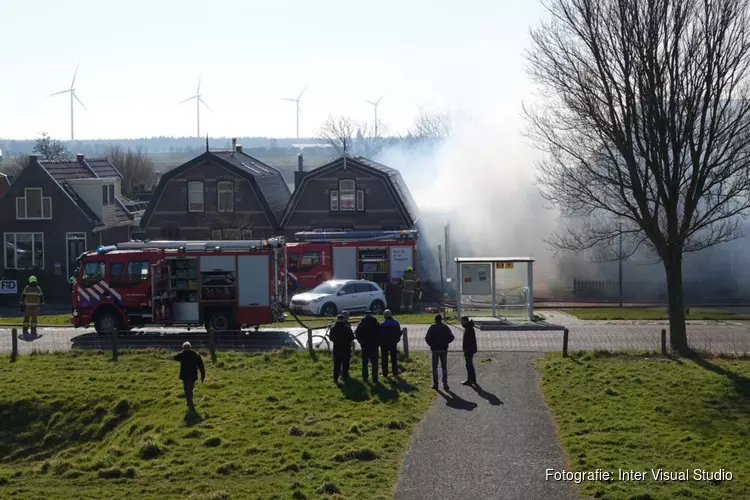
(254, 278)
(344, 263)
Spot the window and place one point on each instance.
(334, 201)
(33, 205)
(115, 272)
(105, 195)
(360, 200)
(364, 288)
(310, 259)
(247, 234)
(216, 234)
(231, 234)
(225, 193)
(347, 195)
(195, 196)
(93, 273)
(137, 271)
(349, 288)
(170, 232)
(112, 194)
(293, 260)
(24, 251)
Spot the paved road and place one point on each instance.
(491, 443)
(710, 336)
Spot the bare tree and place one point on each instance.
(231, 225)
(645, 122)
(355, 138)
(50, 149)
(136, 167)
(15, 165)
(431, 126)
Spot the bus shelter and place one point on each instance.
(503, 285)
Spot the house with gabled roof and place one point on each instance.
(349, 194)
(225, 194)
(56, 210)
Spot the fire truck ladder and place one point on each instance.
(196, 246)
(356, 235)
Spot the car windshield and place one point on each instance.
(327, 288)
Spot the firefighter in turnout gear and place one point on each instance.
(32, 299)
(409, 290)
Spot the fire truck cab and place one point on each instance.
(222, 285)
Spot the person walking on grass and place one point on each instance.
(470, 349)
(390, 335)
(342, 337)
(190, 363)
(368, 336)
(438, 337)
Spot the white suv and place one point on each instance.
(332, 297)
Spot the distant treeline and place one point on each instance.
(161, 145)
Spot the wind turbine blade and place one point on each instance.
(75, 73)
(198, 92)
(188, 99)
(369, 102)
(303, 91)
(58, 93)
(79, 101)
(378, 101)
(287, 99)
(204, 103)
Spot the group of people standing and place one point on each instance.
(382, 338)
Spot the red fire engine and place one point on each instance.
(378, 256)
(222, 285)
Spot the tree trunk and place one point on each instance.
(677, 328)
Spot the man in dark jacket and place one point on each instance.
(390, 335)
(438, 337)
(470, 348)
(190, 363)
(368, 336)
(342, 337)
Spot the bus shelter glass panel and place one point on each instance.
(496, 289)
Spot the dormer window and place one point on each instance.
(33, 205)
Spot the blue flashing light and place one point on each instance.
(105, 249)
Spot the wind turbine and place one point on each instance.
(299, 113)
(198, 101)
(72, 92)
(420, 107)
(375, 105)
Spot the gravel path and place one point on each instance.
(486, 444)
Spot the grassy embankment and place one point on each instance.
(270, 426)
(637, 412)
(650, 313)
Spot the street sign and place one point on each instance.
(503, 265)
(8, 287)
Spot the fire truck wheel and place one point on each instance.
(218, 322)
(328, 309)
(106, 321)
(377, 307)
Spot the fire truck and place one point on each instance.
(222, 285)
(377, 256)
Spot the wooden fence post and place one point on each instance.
(565, 343)
(13, 345)
(663, 342)
(113, 339)
(405, 332)
(212, 344)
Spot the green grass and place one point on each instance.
(270, 426)
(43, 320)
(649, 313)
(641, 413)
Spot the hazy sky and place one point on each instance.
(139, 58)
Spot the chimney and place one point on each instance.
(79, 157)
(239, 148)
(158, 177)
(33, 158)
(300, 173)
(234, 144)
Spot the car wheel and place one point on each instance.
(329, 309)
(377, 307)
(218, 322)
